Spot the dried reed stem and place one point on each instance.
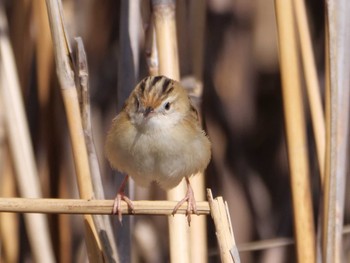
(198, 231)
(295, 131)
(103, 224)
(337, 122)
(312, 84)
(20, 145)
(103, 207)
(151, 50)
(129, 49)
(266, 244)
(70, 98)
(128, 68)
(44, 53)
(223, 227)
(9, 223)
(2, 139)
(165, 28)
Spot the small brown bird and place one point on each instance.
(157, 137)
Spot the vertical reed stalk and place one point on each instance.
(312, 84)
(337, 122)
(295, 131)
(21, 147)
(165, 27)
(198, 231)
(70, 98)
(151, 50)
(102, 222)
(9, 222)
(44, 53)
(130, 20)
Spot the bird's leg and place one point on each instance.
(119, 197)
(191, 202)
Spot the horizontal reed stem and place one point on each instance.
(80, 206)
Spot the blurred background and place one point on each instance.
(241, 108)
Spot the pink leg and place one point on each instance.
(191, 202)
(119, 197)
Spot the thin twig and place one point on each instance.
(265, 244)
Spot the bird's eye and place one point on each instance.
(167, 106)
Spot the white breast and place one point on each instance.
(163, 155)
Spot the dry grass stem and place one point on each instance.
(166, 39)
(103, 207)
(165, 27)
(21, 147)
(9, 223)
(129, 49)
(196, 21)
(223, 227)
(312, 84)
(295, 131)
(44, 53)
(337, 116)
(128, 67)
(265, 244)
(65, 75)
(103, 224)
(151, 50)
(198, 230)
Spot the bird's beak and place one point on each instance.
(147, 111)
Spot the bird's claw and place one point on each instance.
(191, 205)
(117, 210)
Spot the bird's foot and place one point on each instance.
(117, 210)
(191, 203)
